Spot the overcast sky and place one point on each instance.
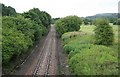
(62, 8)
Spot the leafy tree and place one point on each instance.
(21, 24)
(39, 30)
(17, 36)
(32, 15)
(103, 32)
(39, 16)
(67, 24)
(45, 18)
(8, 11)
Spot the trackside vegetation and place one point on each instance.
(92, 50)
(87, 58)
(91, 43)
(67, 24)
(20, 32)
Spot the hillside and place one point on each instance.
(104, 15)
(110, 16)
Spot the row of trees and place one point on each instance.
(38, 16)
(109, 16)
(87, 21)
(20, 31)
(103, 31)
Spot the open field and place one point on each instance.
(89, 30)
(87, 58)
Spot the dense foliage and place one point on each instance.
(67, 24)
(41, 20)
(95, 60)
(54, 20)
(17, 36)
(7, 10)
(103, 32)
(86, 58)
(87, 21)
(38, 16)
(21, 31)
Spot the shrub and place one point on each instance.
(79, 48)
(98, 60)
(103, 33)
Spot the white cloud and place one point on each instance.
(61, 8)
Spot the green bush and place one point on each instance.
(75, 46)
(13, 43)
(17, 37)
(98, 60)
(103, 33)
(67, 24)
(79, 48)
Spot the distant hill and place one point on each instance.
(104, 15)
(109, 16)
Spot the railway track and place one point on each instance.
(47, 58)
(43, 61)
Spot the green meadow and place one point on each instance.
(87, 58)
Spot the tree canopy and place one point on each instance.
(67, 24)
(8, 10)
